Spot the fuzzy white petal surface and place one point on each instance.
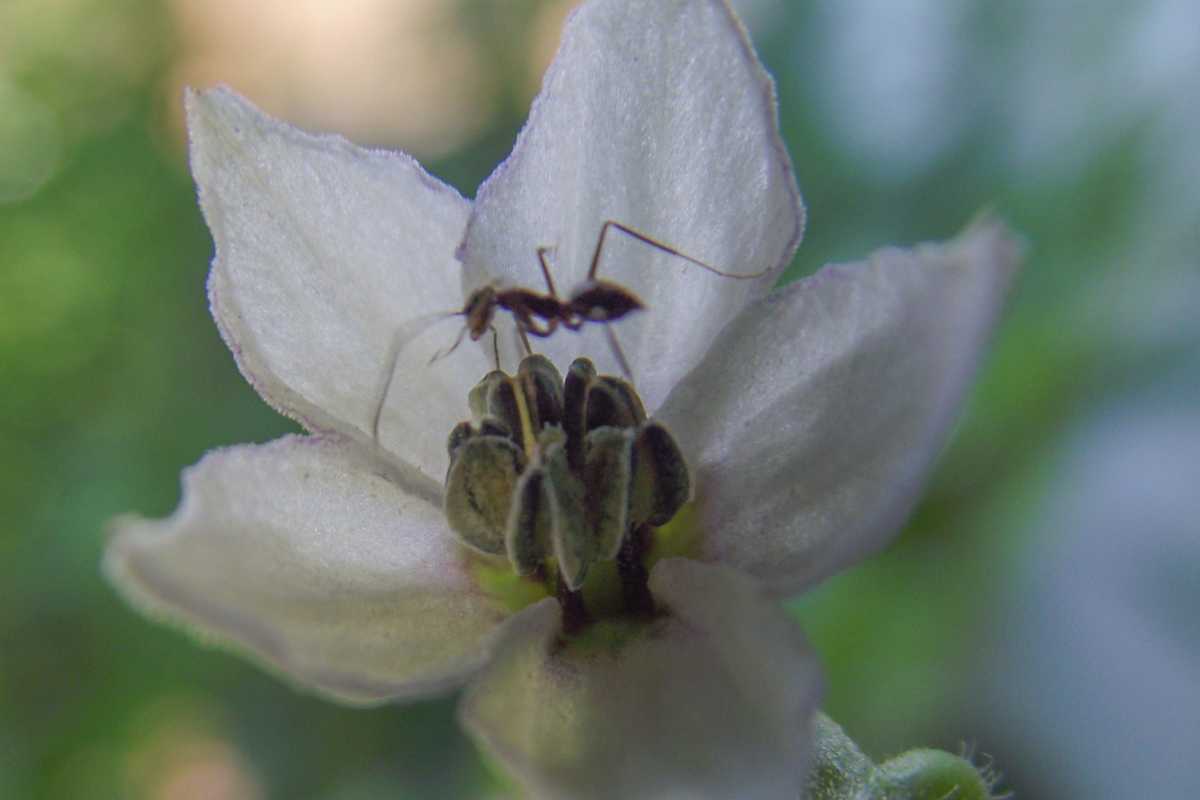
(299, 552)
(813, 421)
(663, 120)
(323, 251)
(712, 700)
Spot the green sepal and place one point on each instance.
(479, 491)
(840, 771)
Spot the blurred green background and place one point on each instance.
(1078, 122)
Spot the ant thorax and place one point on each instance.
(526, 302)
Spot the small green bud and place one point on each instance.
(840, 771)
(926, 774)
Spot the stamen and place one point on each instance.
(635, 578)
(564, 476)
(528, 435)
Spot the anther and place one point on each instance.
(559, 475)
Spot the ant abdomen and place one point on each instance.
(602, 301)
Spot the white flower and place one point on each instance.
(808, 415)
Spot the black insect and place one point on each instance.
(542, 313)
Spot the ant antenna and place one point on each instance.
(404, 334)
(666, 248)
(439, 355)
(524, 339)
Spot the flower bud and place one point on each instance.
(927, 773)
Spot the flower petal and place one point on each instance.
(300, 553)
(324, 251)
(663, 120)
(811, 423)
(713, 699)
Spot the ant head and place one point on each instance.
(602, 301)
(479, 310)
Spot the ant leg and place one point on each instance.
(619, 353)
(527, 325)
(541, 254)
(666, 248)
(495, 346)
(524, 339)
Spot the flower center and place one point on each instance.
(567, 487)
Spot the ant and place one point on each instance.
(541, 314)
